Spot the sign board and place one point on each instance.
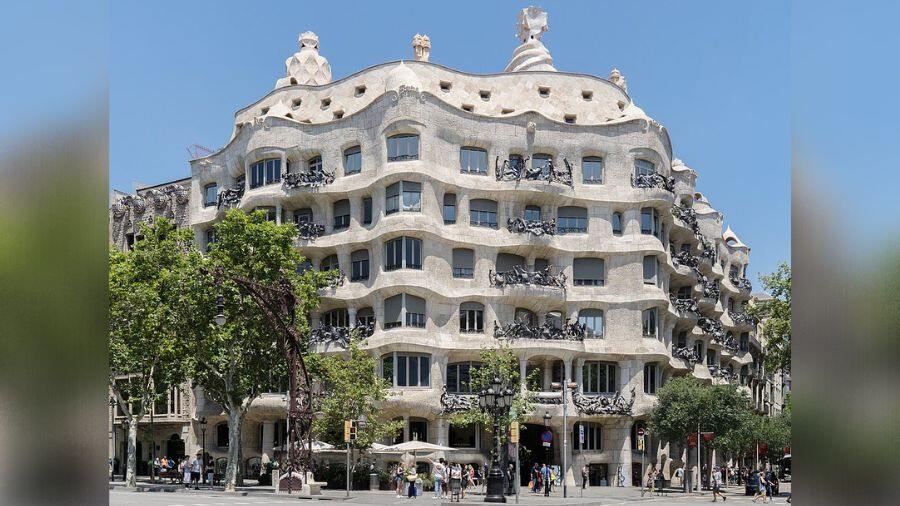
(514, 432)
(708, 436)
(640, 432)
(581, 434)
(546, 437)
(763, 448)
(347, 426)
(692, 439)
(640, 443)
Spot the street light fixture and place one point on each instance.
(203, 446)
(570, 385)
(220, 310)
(112, 462)
(496, 400)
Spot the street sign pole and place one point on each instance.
(699, 466)
(519, 473)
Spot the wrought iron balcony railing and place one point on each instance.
(341, 336)
(712, 328)
(689, 354)
(336, 278)
(707, 250)
(536, 227)
(521, 276)
(709, 287)
(740, 283)
(315, 178)
(603, 404)
(742, 318)
(517, 170)
(687, 216)
(685, 306)
(653, 180)
(456, 403)
(548, 331)
(718, 372)
(230, 197)
(308, 230)
(686, 259)
(548, 398)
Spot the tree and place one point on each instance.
(775, 314)
(351, 389)
(237, 361)
(146, 320)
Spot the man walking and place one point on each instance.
(584, 476)
(717, 484)
(545, 477)
(438, 476)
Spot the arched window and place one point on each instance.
(403, 253)
(593, 319)
(359, 265)
(459, 377)
(648, 322)
(329, 263)
(314, 164)
(336, 318)
(304, 215)
(222, 435)
(403, 147)
(449, 208)
(698, 348)
(403, 196)
(571, 220)
(588, 272)
(599, 377)
(483, 213)
(471, 317)
(710, 357)
(526, 316)
(532, 213)
(210, 195)
(394, 307)
(473, 160)
(541, 161)
(617, 223)
(341, 214)
(592, 170)
(352, 160)
(650, 268)
(265, 172)
(643, 167)
(555, 318)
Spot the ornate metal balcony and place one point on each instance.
(230, 197)
(603, 404)
(654, 180)
(335, 279)
(536, 227)
(315, 178)
(718, 372)
(742, 318)
(686, 259)
(712, 327)
(456, 403)
(688, 354)
(707, 250)
(521, 276)
(522, 330)
(684, 306)
(687, 216)
(517, 170)
(709, 287)
(740, 283)
(308, 230)
(341, 336)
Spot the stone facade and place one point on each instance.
(414, 149)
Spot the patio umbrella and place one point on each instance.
(415, 447)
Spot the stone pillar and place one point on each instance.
(523, 368)
(567, 371)
(547, 373)
(405, 428)
(278, 213)
(442, 431)
(619, 440)
(579, 373)
(351, 316)
(268, 439)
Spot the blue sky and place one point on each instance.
(716, 74)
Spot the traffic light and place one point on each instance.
(348, 427)
(352, 431)
(514, 432)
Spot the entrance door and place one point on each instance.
(175, 448)
(636, 474)
(531, 450)
(597, 475)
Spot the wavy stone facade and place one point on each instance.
(637, 257)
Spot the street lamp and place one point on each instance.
(220, 310)
(125, 427)
(112, 412)
(496, 400)
(569, 385)
(203, 446)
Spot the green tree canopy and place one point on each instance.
(775, 314)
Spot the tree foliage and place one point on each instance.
(775, 313)
(685, 403)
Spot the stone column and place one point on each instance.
(268, 439)
(619, 440)
(579, 373)
(351, 316)
(405, 428)
(442, 431)
(523, 368)
(278, 213)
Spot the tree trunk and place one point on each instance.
(233, 471)
(130, 479)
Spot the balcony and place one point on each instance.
(548, 331)
(685, 307)
(517, 170)
(603, 404)
(521, 276)
(740, 283)
(710, 288)
(548, 398)
(341, 336)
(653, 180)
(684, 258)
(456, 403)
(534, 227)
(712, 328)
(230, 197)
(310, 231)
(687, 216)
(316, 177)
(707, 250)
(689, 354)
(742, 318)
(718, 372)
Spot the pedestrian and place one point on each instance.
(757, 480)
(545, 479)
(412, 476)
(195, 471)
(398, 479)
(770, 485)
(438, 474)
(185, 471)
(456, 474)
(717, 484)
(211, 472)
(584, 476)
(679, 473)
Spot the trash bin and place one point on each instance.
(374, 483)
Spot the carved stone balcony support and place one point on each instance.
(603, 404)
(522, 330)
(315, 178)
(654, 180)
(517, 170)
(521, 276)
(535, 227)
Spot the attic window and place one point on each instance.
(360, 90)
(445, 85)
(485, 95)
(265, 110)
(587, 94)
(506, 110)
(326, 102)
(570, 118)
(338, 114)
(468, 107)
(543, 91)
(621, 105)
(296, 103)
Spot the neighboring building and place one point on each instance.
(533, 207)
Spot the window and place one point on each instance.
(710, 357)
(572, 220)
(341, 214)
(643, 168)
(651, 378)
(209, 195)
(592, 436)
(526, 316)
(650, 265)
(541, 161)
(650, 221)
(403, 147)
(415, 311)
(681, 342)
(459, 377)
(730, 304)
(269, 212)
(648, 322)
(733, 271)
(449, 208)
(698, 348)
(555, 319)
(222, 435)
(507, 261)
(304, 215)
(463, 436)
(265, 172)
(588, 272)
(418, 431)
(617, 223)
(314, 164)
(745, 341)
(336, 318)
(329, 263)
(592, 170)
(532, 213)
(684, 292)
(471, 318)
(598, 377)
(593, 319)
(540, 264)
(403, 253)
(473, 160)
(483, 213)
(210, 238)
(367, 211)
(365, 316)
(403, 196)
(352, 160)
(463, 263)
(359, 265)
(406, 369)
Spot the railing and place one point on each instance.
(740, 283)
(689, 354)
(463, 272)
(521, 276)
(335, 279)
(687, 216)
(684, 306)
(456, 403)
(536, 227)
(710, 288)
(742, 318)
(686, 259)
(230, 197)
(330, 334)
(311, 231)
(712, 328)
(653, 180)
(518, 170)
(523, 330)
(315, 178)
(603, 404)
(548, 398)
(718, 372)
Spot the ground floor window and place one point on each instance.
(463, 436)
(592, 436)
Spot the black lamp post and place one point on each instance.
(112, 411)
(547, 427)
(203, 446)
(497, 401)
(125, 430)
